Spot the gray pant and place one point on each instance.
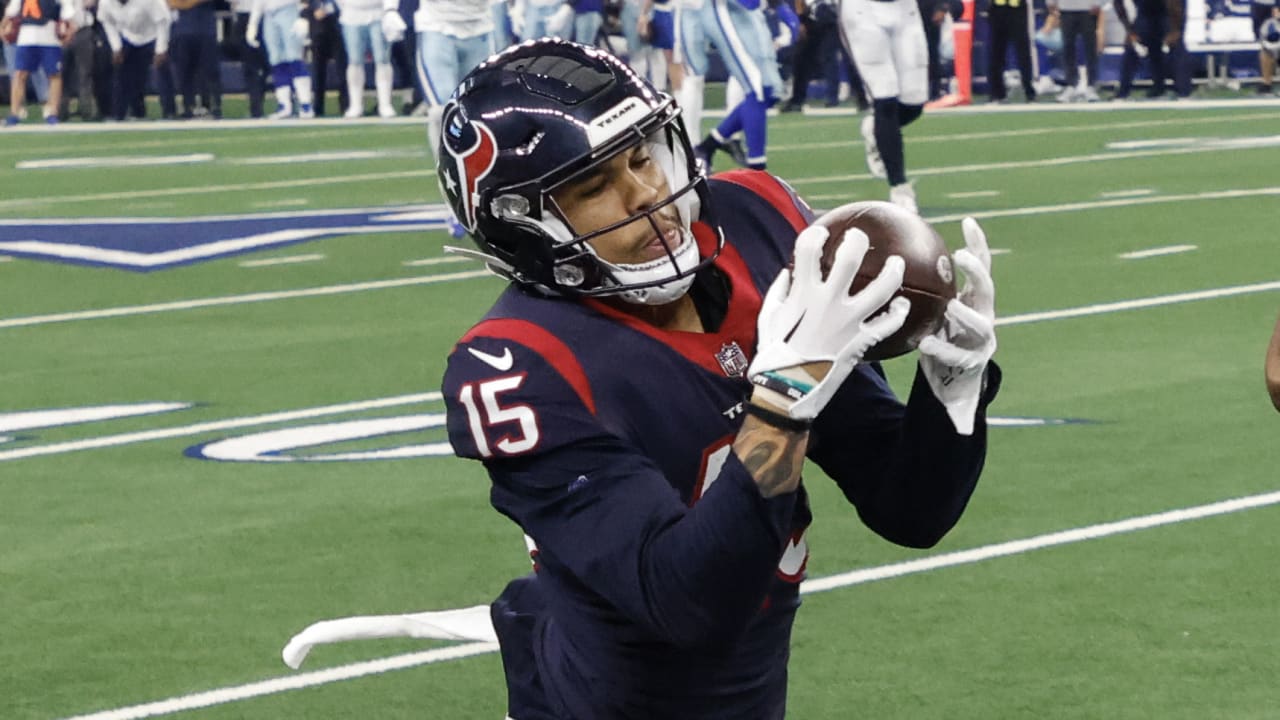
(77, 75)
(1080, 24)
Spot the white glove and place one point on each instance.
(393, 26)
(806, 319)
(301, 28)
(955, 358)
(251, 35)
(557, 23)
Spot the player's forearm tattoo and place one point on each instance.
(773, 458)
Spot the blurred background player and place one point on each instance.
(77, 64)
(535, 18)
(738, 30)
(886, 40)
(194, 56)
(326, 46)
(361, 22)
(253, 59)
(43, 25)
(454, 36)
(284, 31)
(1261, 11)
(1078, 20)
(656, 24)
(817, 50)
(1007, 21)
(138, 33)
(1156, 34)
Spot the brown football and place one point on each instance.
(928, 280)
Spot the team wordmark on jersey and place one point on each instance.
(146, 244)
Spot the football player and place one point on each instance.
(886, 40)
(454, 36)
(284, 30)
(645, 391)
(42, 27)
(1266, 27)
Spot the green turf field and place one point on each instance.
(132, 573)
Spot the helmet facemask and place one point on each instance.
(576, 267)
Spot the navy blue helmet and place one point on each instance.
(542, 114)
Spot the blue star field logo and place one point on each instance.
(146, 244)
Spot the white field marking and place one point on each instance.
(196, 252)
(436, 260)
(1100, 204)
(183, 141)
(290, 202)
(129, 438)
(5, 258)
(1155, 143)
(838, 197)
(118, 161)
(334, 156)
(292, 682)
(1136, 192)
(1252, 143)
(973, 194)
(1029, 132)
(238, 299)
(1138, 304)
(206, 189)
(437, 211)
(216, 426)
(808, 587)
(1156, 252)
(1000, 251)
(267, 262)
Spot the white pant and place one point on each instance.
(889, 49)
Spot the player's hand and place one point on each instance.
(251, 35)
(812, 332)
(1173, 38)
(301, 28)
(117, 57)
(161, 59)
(955, 359)
(393, 26)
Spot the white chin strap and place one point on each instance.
(683, 260)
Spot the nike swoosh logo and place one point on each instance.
(502, 362)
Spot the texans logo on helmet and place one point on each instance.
(474, 151)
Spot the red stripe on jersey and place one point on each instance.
(551, 348)
(772, 190)
(739, 323)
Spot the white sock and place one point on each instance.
(691, 104)
(284, 99)
(302, 88)
(382, 76)
(355, 89)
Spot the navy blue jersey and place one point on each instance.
(665, 585)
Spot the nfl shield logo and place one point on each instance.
(732, 360)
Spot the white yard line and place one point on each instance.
(1136, 192)
(1102, 204)
(1214, 147)
(130, 310)
(200, 428)
(973, 194)
(80, 163)
(808, 587)
(215, 426)
(435, 261)
(290, 260)
(1156, 252)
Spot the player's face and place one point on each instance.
(629, 183)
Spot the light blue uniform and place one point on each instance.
(742, 38)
